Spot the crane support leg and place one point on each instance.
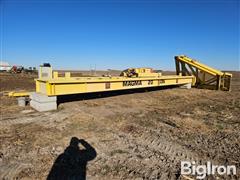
(205, 76)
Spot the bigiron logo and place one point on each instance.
(132, 83)
(201, 171)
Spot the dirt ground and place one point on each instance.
(143, 135)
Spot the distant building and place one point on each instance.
(5, 66)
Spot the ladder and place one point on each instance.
(205, 76)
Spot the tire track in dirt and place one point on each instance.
(36, 117)
(11, 171)
(149, 155)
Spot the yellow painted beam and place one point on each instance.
(18, 94)
(201, 66)
(75, 85)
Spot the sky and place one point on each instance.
(118, 34)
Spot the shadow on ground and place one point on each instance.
(72, 163)
(87, 96)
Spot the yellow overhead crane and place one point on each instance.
(50, 84)
(188, 71)
(205, 76)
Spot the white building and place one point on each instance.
(5, 66)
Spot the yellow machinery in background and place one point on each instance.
(140, 72)
(205, 76)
